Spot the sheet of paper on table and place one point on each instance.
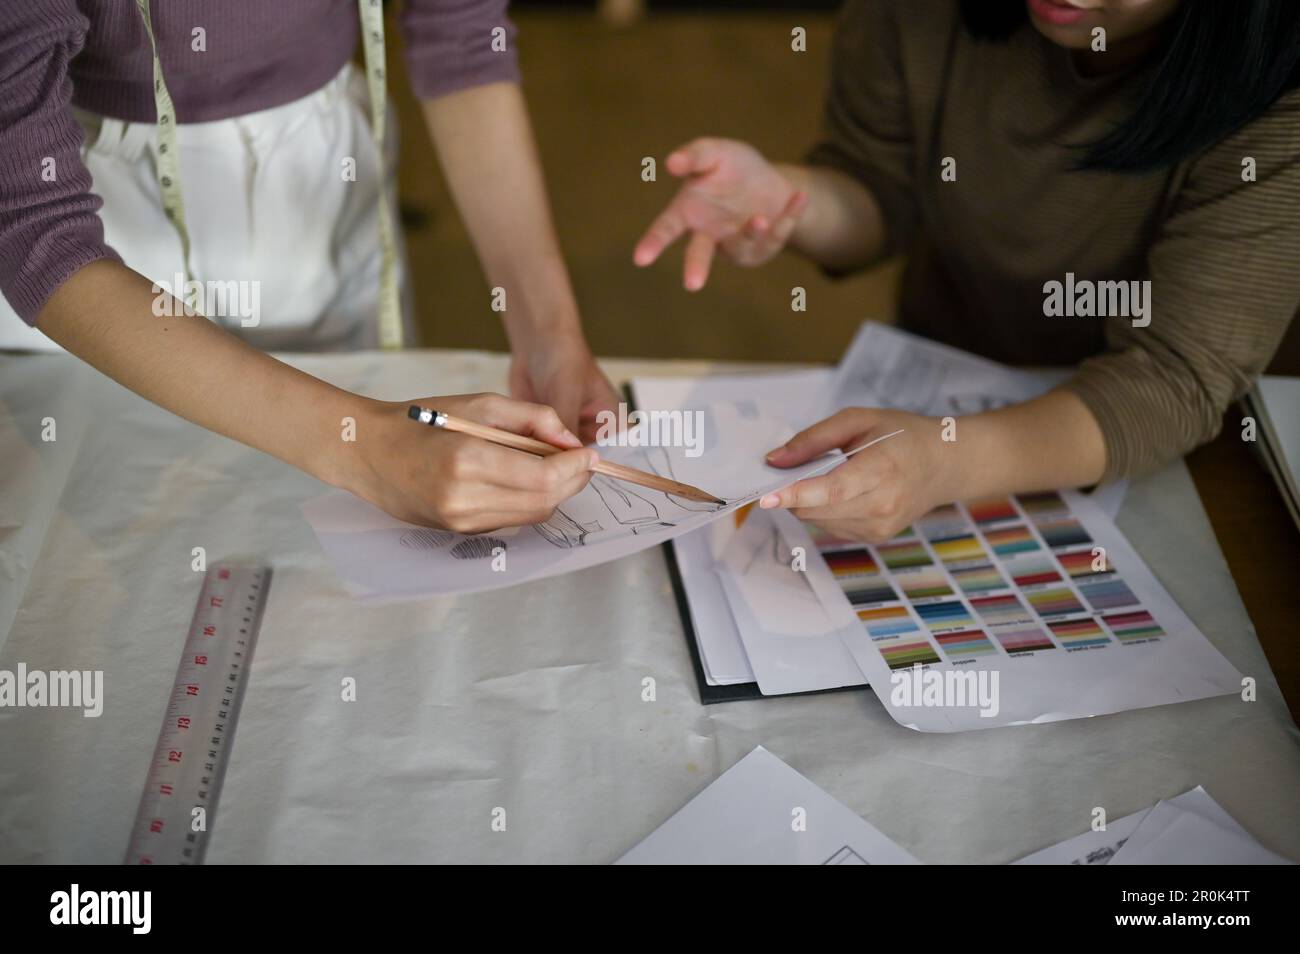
(722, 652)
(381, 557)
(453, 721)
(1031, 609)
(1037, 600)
(761, 811)
(1275, 404)
(1090, 848)
(884, 367)
(1191, 829)
(793, 624)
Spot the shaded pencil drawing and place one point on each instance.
(469, 548)
(477, 548)
(425, 538)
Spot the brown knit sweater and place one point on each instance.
(911, 87)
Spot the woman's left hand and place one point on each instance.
(559, 370)
(879, 492)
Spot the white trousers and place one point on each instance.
(282, 202)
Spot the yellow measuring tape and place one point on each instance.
(169, 179)
(372, 42)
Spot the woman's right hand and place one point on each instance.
(438, 478)
(733, 198)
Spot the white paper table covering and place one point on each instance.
(527, 699)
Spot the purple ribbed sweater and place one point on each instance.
(259, 54)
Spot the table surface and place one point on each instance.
(1261, 543)
(527, 699)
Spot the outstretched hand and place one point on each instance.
(732, 199)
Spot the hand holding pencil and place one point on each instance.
(454, 481)
(530, 445)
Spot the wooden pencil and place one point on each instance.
(531, 446)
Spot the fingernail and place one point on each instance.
(769, 501)
(773, 454)
(570, 438)
(592, 460)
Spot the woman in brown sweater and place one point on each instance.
(1034, 158)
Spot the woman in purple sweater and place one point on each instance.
(278, 231)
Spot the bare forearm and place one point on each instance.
(1052, 441)
(104, 315)
(485, 143)
(843, 227)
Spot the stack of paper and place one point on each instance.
(1191, 829)
(722, 651)
(1274, 403)
(985, 613)
(1031, 608)
(761, 811)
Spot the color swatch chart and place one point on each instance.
(1009, 576)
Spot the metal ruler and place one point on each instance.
(179, 801)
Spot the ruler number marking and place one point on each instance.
(162, 832)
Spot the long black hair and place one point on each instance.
(1225, 62)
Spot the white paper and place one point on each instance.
(797, 395)
(762, 812)
(1090, 848)
(384, 558)
(462, 709)
(1189, 829)
(1085, 667)
(883, 367)
(793, 623)
(722, 653)
(1192, 829)
(887, 367)
(1281, 398)
(1275, 401)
